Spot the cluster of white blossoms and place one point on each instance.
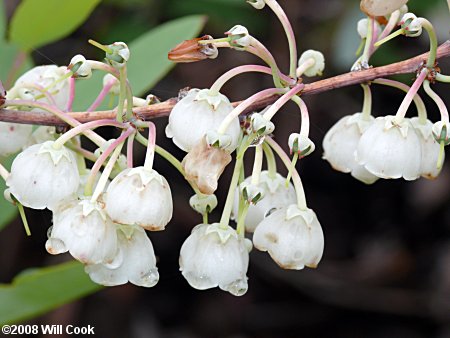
(101, 211)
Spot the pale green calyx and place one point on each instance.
(441, 132)
(213, 99)
(214, 139)
(118, 54)
(80, 67)
(258, 4)
(223, 233)
(89, 207)
(391, 122)
(251, 193)
(411, 25)
(203, 203)
(300, 144)
(146, 176)
(363, 122)
(260, 125)
(56, 153)
(239, 37)
(294, 211)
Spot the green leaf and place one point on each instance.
(7, 211)
(36, 22)
(10, 68)
(2, 20)
(148, 62)
(37, 291)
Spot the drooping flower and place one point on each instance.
(42, 176)
(83, 229)
(204, 165)
(48, 76)
(430, 148)
(293, 237)
(137, 261)
(276, 195)
(140, 196)
(389, 149)
(197, 113)
(381, 7)
(13, 137)
(341, 142)
(215, 256)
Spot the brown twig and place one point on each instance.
(164, 108)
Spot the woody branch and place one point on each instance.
(163, 109)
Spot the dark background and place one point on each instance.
(386, 266)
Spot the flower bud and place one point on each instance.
(214, 139)
(203, 203)
(118, 55)
(260, 125)
(193, 51)
(441, 132)
(239, 37)
(362, 28)
(319, 62)
(251, 193)
(258, 4)
(300, 145)
(411, 25)
(80, 67)
(115, 89)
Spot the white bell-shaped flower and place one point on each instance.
(48, 76)
(83, 229)
(381, 7)
(258, 4)
(13, 137)
(293, 237)
(239, 36)
(196, 114)
(276, 196)
(137, 257)
(139, 196)
(389, 149)
(340, 143)
(430, 148)
(80, 67)
(109, 78)
(215, 256)
(42, 176)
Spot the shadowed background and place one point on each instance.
(386, 266)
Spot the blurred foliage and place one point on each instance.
(51, 20)
(36, 291)
(148, 62)
(7, 211)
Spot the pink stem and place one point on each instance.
(71, 94)
(101, 96)
(87, 126)
(245, 104)
(150, 146)
(43, 91)
(374, 37)
(102, 158)
(282, 101)
(130, 143)
(300, 192)
(240, 70)
(410, 95)
(94, 137)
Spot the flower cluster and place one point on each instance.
(101, 211)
